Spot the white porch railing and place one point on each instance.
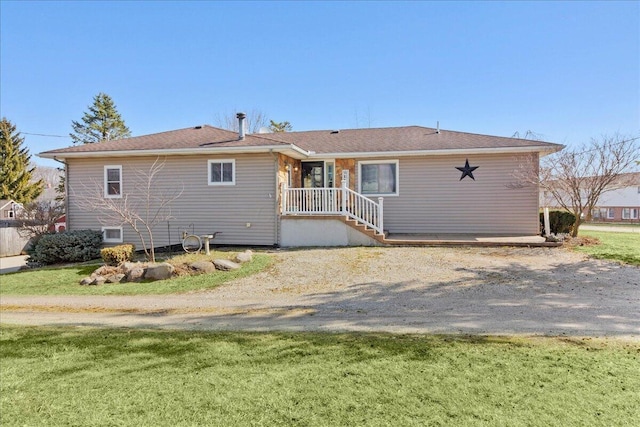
(334, 201)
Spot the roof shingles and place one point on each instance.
(372, 140)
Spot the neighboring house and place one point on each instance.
(622, 204)
(315, 187)
(9, 209)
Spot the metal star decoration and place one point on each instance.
(467, 170)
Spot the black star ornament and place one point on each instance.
(467, 170)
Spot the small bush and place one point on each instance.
(559, 221)
(117, 254)
(70, 246)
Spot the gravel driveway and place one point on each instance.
(540, 291)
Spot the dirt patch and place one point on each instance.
(540, 291)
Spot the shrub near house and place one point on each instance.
(72, 246)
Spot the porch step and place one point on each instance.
(364, 229)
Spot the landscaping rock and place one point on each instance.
(135, 274)
(246, 256)
(100, 280)
(203, 267)
(86, 281)
(115, 278)
(105, 271)
(160, 271)
(225, 264)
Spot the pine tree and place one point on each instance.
(101, 123)
(15, 174)
(280, 126)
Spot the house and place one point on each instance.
(9, 209)
(312, 188)
(621, 204)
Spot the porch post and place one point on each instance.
(283, 210)
(344, 196)
(381, 214)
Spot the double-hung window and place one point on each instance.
(378, 178)
(222, 172)
(113, 181)
(629, 213)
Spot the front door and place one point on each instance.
(312, 174)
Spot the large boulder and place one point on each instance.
(136, 274)
(246, 256)
(225, 264)
(161, 271)
(203, 266)
(115, 278)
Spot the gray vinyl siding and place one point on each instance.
(202, 208)
(432, 199)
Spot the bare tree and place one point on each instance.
(141, 210)
(38, 218)
(255, 120)
(577, 178)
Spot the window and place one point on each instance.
(629, 213)
(222, 172)
(112, 234)
(611, 213)
(113, 181)
(378, 178)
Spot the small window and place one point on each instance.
(378, 178)
(629, 213)
(611, 213)
(222, 172)
(112, 234)
(113, 181)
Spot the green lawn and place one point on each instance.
(65, 281)
(91, 377)
(623, 247)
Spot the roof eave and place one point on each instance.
(291, 150)
(442, 152)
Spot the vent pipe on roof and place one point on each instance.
(438, 126)
(241, 117)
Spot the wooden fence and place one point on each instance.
(11, 243)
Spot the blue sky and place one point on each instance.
(568, 71)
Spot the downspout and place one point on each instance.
(275, 198)
(66, 191)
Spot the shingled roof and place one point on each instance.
(356, 142)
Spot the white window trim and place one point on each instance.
(104, 235)
(233, 171)
(611, 214)
(379, 162)
(106, 185)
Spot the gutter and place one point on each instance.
(292, 150)
(442, 152)
(275, 198)
(66, 191)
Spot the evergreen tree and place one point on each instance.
(280, 126)
(101, 123)
(15, 174)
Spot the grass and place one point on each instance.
(622, 247)
(90, 377)
(65, 281)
